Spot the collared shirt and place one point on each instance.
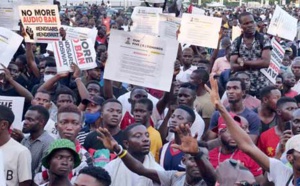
(258, 80)
(37, 148)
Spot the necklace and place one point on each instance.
(219, 155)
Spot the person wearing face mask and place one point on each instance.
(50, 72)
(91, 116)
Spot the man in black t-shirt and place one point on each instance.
(111, 114)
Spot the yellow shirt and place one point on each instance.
(156, 142)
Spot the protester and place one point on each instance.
(60, 159)
(93, 176)
(16, 157)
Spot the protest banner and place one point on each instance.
(200, 30)
(16, 104)
(154, 1)
(80, 52)
(140, 59)
(277, 54)
(80, 33)
(9, 44)
(41, 23)
(283, 24)
(236, 32)
(145, 20)
(168, 26)
(198, 11)
(9, 14)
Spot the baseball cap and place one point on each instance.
(293, 144)
(222, 123)
(98, 100)
(58, 145)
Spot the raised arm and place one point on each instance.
(131, 163)
(19, 88)
(31, 61)
(48, 85)
(242, 139)
(189, 145)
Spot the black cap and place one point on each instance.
(98, 100)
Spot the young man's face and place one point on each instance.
(178, 117)
(141, 114)
(62, 162)
(272, 99)
(185, 96)
(187, 56)
(42, 99)
(234, 91)
(31, 122)
(285, 112)
(112, 114)
(93, 89)
(138, 140)
(191, 167)
(64, 100)
(248, 24)
(68, 125)
(138, 94)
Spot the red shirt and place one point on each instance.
(291, 94)
(249, 163)
(268, 142)
(128, 119)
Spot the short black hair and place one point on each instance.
(44, 92)
(7, 114)
(100, 174)
(188, 110)
(284, 100)
(264, 92)
(243, 86)
(112, 100)
(189, 86)
(145, 101)
(280, 76)
(65, 91)
(202, 74)
(22, 58)
(43, 112)
(297, 98)
(136, 88)
(244, 14)
(50, 63)
(129, 128)
(204, 61)
(92, 82)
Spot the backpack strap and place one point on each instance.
(257, 36)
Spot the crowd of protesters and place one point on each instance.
(222, 123)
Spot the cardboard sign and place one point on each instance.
(141, 59)
(277, 55)
(9, 43)
(80, 33)
(16, 104)
(236, 32)
(283, 24)
(200, 30)
(41, 23)
(80, 52)
(168, 26)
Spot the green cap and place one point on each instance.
(61, 144)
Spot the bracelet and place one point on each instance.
(121, 150)
(123, 154)
(77, 78)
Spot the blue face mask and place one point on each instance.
(91, 118)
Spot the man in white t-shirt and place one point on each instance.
(187, 68)
(16, 157)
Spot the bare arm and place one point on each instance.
(259, 63)
(31, 61)
(108, 89)
(19, 88)
(242, 139)
(48, 85)
(163, 129)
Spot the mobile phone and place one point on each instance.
(288, 126)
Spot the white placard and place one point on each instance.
(41, 23)
(168, 26)
(9, 44)
(145, 20)
(80, 33)
(155, 1)
(141, 59)
(200, 30)
(283, 24)
(277, 55)
(16, 104)
(9, 17)
(80, 52)
(37, 2)
(198, 11)
(236, 32)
